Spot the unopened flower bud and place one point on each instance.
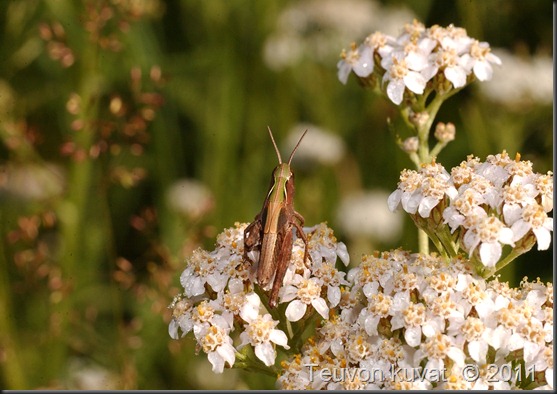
(410, 144)
(419, 119)
(445, 132)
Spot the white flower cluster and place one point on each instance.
(219, 296)
(413, 321)
(419, 60)
(480, 207)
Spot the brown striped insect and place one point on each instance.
(271, 232)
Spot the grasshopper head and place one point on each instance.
(282, 171)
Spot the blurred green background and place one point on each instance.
(135, 131)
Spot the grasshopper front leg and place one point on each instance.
(301, 233)
(252, 236)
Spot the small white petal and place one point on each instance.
(531, 350)
(342, 253)
(235, 285)
(483, 70)
(280, 338)
(266, 353)
(415, 82)
(519, 229)
(493, 58)
(217, 282)
(321, 307)
(506, 236)
(228, 353)
(288, 293)
(544, 238)
(250, 309)
(370, 324)
(343, 71)
(333, 295)
(364, 66)
(426, 205)
(456, 75)
(393, 201)
(295, 310)
(193, 285)
(216, 360)
(512, 213)
(411, 201)
(477, 350)
(457, 355)
(413, 335)
(395, 91)
(173, 329)
(470, 241)
(490, 253)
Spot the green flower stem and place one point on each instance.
(72, 211)
(437, 149)
(423, 242)
(449, 245)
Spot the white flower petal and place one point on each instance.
(250, 309)
(415, 82)
(519, 229)
(370, 324)
(333, 295)
(216, 361)
(512, 213)
(395, 91)
(478, 351)
(173, 329)
(426, 205)
(227, 352)
(543, 237)
(456, 75)
(235, 285)
(295, 310)
(266, 353)
(342, 253)
(490, 253)
(321, 307)
(483, 70)
(413, 335)
(364, 66)
(343, 71)
(280, 338)
(457, 355)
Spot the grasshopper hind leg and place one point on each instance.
(283, 255)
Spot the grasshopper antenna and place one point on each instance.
(275, 145)
(296, 147)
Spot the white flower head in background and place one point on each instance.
(320, 145)
(31, 181)
(522, 82)
(190, 197)
(367, 215)
(316, 28)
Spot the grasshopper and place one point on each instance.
(272, 229)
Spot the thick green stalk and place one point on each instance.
(72, 211)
